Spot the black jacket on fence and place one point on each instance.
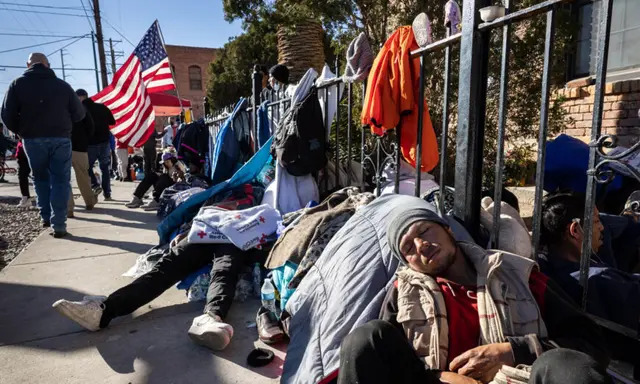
(38, 104)
(81, 132)
(102, 119)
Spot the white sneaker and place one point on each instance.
(136, 202)
(25, 202)
(87, 312)
(209, 331)
(151, 206)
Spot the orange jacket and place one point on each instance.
(392, 98)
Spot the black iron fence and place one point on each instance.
(378, 152)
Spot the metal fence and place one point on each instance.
(377, 152)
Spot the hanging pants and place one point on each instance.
(378, 352)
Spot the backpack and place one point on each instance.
(299, 142)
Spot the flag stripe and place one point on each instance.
(146, 71)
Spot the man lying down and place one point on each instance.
(460, 314)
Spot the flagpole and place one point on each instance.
(173, 76)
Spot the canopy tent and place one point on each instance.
(167, 105)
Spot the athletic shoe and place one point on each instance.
(633, 203)
(45, 224)
(87, 312)
(151, 206)
(136, 202)
(97, 191)
(59, 234)
(209, 331)
(108, 198)
(25, 202)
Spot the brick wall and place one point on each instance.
(181, 58)
(620, 117)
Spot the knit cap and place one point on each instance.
(280, 72)
(359, 59)
(403, 220)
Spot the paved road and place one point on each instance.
(151, 346)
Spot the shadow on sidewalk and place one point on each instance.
(127, 246)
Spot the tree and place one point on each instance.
(344, 19)
(230, 73)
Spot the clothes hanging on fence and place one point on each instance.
(264, 124)
(331, 94)
(359, 59)
(392, 99)
(233, 144)
(452, 16)
(289, 193)
(294, 243)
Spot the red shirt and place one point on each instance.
(462, 312)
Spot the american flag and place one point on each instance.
(146, 71)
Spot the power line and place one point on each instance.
(38, 45)
(39, 6)
(87, 15)
(68, 69)
(118, 32)
(73, 42)
(41, 12)
(37, 35)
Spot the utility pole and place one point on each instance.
(95, 61)
(100, 39)
(113, 60)
(64, 75)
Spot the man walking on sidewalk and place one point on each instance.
(99, 148)
(80, 158)
(42, 109)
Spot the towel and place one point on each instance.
(250, 227)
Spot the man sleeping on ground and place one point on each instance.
(461, 314)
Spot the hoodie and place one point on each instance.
(38, 104)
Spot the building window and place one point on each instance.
(624, 41)
(624, 44)
(195, 78)
(583, 44)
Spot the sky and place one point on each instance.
(188, 22)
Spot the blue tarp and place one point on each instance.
(187, 210)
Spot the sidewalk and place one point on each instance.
(149, 346)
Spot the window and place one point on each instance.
(195, 78)
(624, 44)
(624, 41)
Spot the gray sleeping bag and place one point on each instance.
(345, 288)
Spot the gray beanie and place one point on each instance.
(359, 59)
(403, 220)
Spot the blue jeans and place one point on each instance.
(102, 153)
(50, 161)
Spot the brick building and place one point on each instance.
(622, 92)
(190, 67)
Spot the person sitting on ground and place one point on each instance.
(612, 294)
(172, 171)
(182, 259)
(457, 313)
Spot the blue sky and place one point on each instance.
(188, 22)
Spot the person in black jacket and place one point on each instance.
(99, 148)
(42, 109)
(80, 134)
